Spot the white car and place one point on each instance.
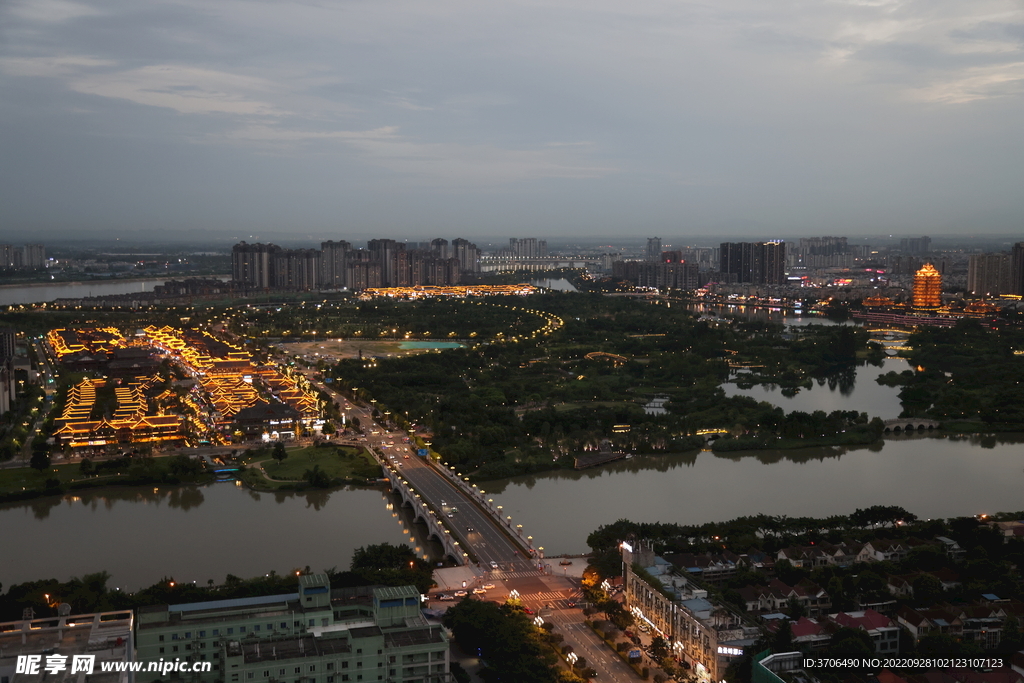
(494, 565)
(461, 594)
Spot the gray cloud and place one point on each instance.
(602, 117)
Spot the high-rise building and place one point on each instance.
(35, 256)
(527, 247)
(467, 254)
(297, 269)
(6, 255)
(441, 248)
(252, 265)
(927, 288)
(762, 263)
(1017, 268)
(333, 263)
(773, 262)
(653, 248)
(916, 245)
(988, 274)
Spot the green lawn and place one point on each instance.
(337, 461)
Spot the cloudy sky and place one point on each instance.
(512, 117)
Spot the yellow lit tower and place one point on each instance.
(927, 288)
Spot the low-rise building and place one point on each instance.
(885, 635)
(705, 634)
(63, 649)
(317, 635)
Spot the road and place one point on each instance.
(487, 540)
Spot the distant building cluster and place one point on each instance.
(338, 265)
(29, 256)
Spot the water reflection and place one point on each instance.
(930, 474)
(194, 532)
(853, 388)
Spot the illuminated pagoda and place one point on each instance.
(927, 288)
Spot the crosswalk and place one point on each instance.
(545, 596)
(520, 575)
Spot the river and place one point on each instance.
(41, 292)
(197, 533)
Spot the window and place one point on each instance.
(359, 651)
(256, 627)
(330, 666)
(312, 622)
(298, 624)
(380, 652)
(188, 634)
(270, 627)
(202, 634)
(174, 649)
(344, 677)
(161, 650)
(189, 646)
(216, 631)
(312, 667)
(298, 669)
(359, 665)
(344, 665)
(284, 625)
(174, 636)
(280, 672)
(266, 674)
(241, 629)
(202, 657)
(161, 639)
(230, 631)
(250, 675)
(391, 660)
(330, 679)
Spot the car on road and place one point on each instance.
(494, 565)
(444, 596)
(470, 529)
(450, 514)
(461, 594)
(479, 591)
(488, 586)
(565, 562)
(527, 610)
(406, 456)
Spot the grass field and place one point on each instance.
(339, 462)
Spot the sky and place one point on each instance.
(584, 118)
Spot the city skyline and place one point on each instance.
(584, 120)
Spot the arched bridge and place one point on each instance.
(423, 512)
(909, 424)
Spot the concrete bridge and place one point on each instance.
(423, 511)
(909, 424)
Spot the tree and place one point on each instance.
(783, 640)
(927, 589)
(85, 467)
(279, 453)
(40, 460)
(659, 648)
(317, 477)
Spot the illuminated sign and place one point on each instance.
(627, 547)
(734, 651)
